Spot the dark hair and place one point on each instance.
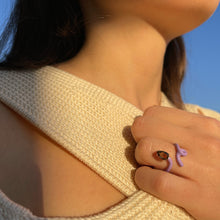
(46, 34)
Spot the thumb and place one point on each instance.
(165, 186)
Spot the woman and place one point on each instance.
(97, 84)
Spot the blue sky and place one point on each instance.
(202, 83)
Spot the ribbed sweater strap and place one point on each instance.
(90, 122)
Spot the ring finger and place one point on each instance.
(146, 154)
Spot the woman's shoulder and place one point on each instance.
(202, 110)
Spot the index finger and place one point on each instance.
(174, 116)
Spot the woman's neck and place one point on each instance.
(124, 55)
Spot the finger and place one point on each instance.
(173, 115)
(145, 154)
(201, 147)
(184, 119)
(166, 186)
(160, 129)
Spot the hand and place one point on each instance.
(196, 185)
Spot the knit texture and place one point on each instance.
(94, 125)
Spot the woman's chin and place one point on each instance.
(206, 8)
(187, 19)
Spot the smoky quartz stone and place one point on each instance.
(163, 155)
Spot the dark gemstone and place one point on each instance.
(163, 155)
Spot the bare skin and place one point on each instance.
(124, 54)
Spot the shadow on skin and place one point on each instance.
(130, 150)
(20, 177)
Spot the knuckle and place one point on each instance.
(136, 126)
(212, 144)
(151, 111)
(161, 184)
(142, 149)
(210, 124)
(139, 176)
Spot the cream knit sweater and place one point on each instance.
(94, 125)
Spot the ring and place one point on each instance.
(165, 156)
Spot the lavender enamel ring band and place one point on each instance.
(179, 153)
